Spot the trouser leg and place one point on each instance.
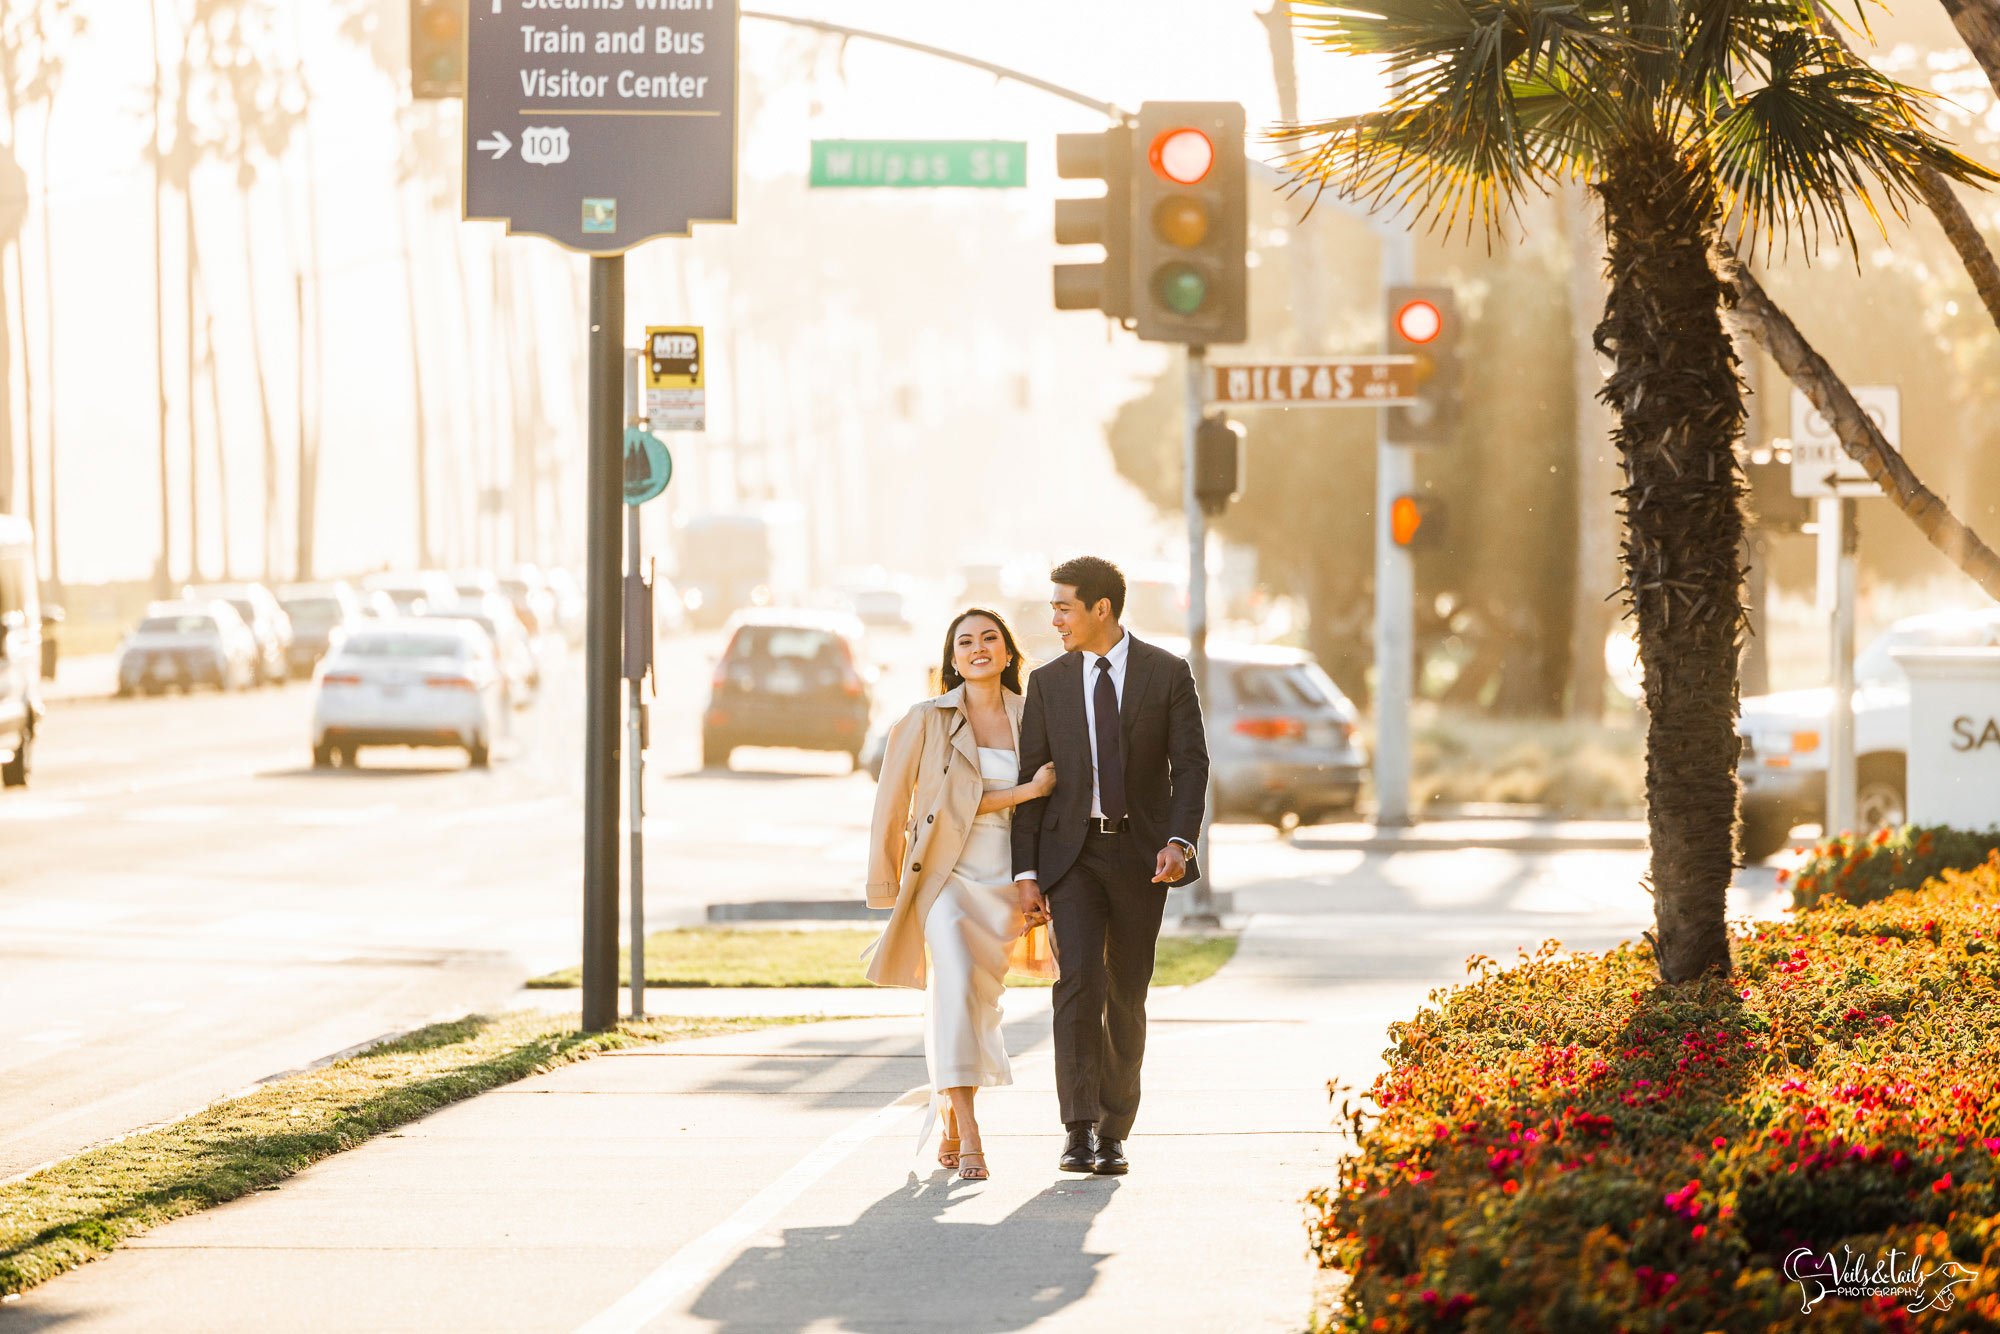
(1078, 908)
(1132, 933)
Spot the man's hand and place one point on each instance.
(1028, 899)
(1171, 866)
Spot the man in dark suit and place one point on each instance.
(1122, 722)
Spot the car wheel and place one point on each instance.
(154, 688)
(322, 756)
(1763, 833)
(1878, 795)
(347, 757)
(714, 754)
(478, 755)
(14, 773)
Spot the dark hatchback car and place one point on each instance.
(788, 678)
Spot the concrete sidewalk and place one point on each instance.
(765, 1182)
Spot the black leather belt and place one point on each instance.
(1097, 824)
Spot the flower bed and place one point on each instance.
(1863, 870)
(1567, 1145)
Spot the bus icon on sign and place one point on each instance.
(676, 357)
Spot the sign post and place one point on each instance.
(1823, 471)
(601, 129)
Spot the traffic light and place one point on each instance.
(1190, 224)
(437, 48)
(1415, 522)
(1218, 463)
(1423, 323)
(1102, 220)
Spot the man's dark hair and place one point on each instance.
(1093, 578)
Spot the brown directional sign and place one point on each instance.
(1316, 382)
(603, 125)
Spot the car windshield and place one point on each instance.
(1283, 686)
(773, 643)
(314, 611)
(177, 625)
(1875, 667)
(404, 646)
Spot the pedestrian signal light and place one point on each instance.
(1412, 521)
(437, 48)
(1189, 224)
(1423, 324)
(1218, 463)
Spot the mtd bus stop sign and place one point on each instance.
(601, 125)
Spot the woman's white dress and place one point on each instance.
(968, 931)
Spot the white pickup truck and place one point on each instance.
(1785, 736)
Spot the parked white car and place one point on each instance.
(1785, 736)
(187, 644)
(408, 683)
(21, 709)
(262, 612)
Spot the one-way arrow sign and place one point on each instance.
(497, 144)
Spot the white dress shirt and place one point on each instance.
(1120, 654)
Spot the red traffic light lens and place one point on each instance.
(1406, 516)
(1418, 322)
(1181, 221)
(1183, 156)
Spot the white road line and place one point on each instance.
(695, 1262)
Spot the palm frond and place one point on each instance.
(1824, 131)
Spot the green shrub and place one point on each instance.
(1567, 1145)
(1861, 869)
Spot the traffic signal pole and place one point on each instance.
(1395, 589)
(1201, 896)
(605, 483)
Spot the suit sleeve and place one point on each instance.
(889, 833)
(1034, 754)
(1187, 753)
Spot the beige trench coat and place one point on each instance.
(925, 803)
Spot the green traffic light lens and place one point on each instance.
(445, 69)
(1180, 288)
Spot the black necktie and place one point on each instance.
(1110, 759)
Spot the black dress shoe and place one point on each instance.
(1111, 1160)
(1079, 1152)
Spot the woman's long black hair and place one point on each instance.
(1010, 677)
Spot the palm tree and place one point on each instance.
(1682, 119)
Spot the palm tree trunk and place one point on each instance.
(30, 502)
(49, 341)
(208, 360)
(270, 518)
(1859, 436)
(1680, 408)
(163, 575)
(419, 434)
(1978, 22)
(188, 273)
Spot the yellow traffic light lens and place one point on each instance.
(1183, 156)
(440, 23)
(1180, 288)
(1181, 221)
(1406, 516)
(1418, 322)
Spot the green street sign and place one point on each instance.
(648, 466)
(988, 164)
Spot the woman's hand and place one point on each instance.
(1044, 781)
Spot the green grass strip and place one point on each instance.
(84, 1206)
(737, 957)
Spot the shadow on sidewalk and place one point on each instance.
(900, 1265)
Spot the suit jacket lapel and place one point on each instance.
(1138, 671)
(1076, 723)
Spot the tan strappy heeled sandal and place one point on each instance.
(948, 1144)
(969, 1171)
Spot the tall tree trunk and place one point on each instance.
(1680, 408)
(163, 573)
(1591, 612)
(221, 436)
(30, 500)
(310, 424)
(1858, 434)
(196, 566)
(1978, 22)
(49, 341)
(7, 464)
(418, 420)
(270, 517)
